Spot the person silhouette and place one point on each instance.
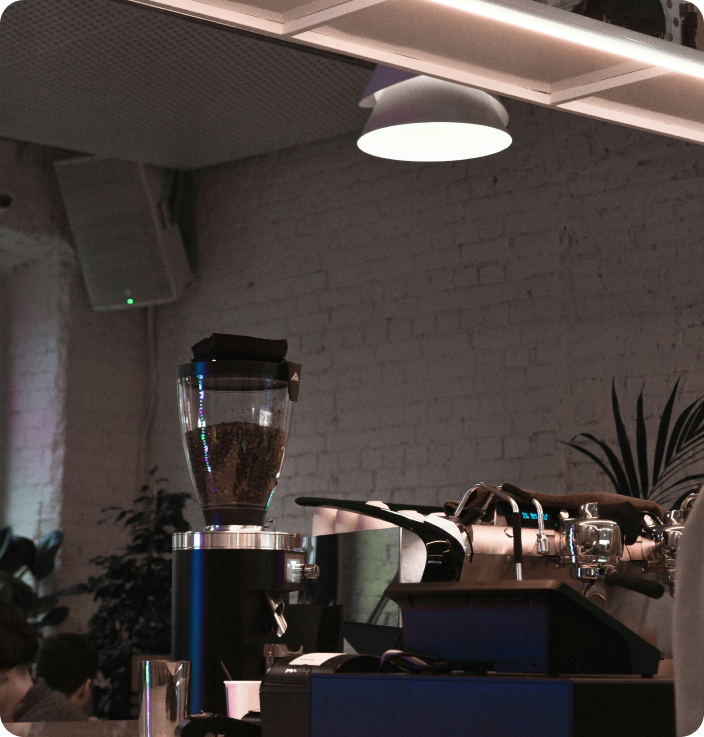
(21, 698)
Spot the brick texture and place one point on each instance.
(36, 328)
(105, 399)
(73, 382)
(36, 266)
(454, 321)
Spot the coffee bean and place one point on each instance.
(235, 462)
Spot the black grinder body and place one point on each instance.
(220, 612)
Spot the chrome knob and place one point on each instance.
(675, 517)
(688, 504)
(311, 570)
(589, 511)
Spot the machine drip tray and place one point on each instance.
(487, 706)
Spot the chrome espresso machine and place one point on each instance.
(531, 614)
(521, 614)
(618, 553)
(231, 581)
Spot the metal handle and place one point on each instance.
(466, 496)
(277, 609)
(543, 542)
(688, 502)
(515, 521)
(272, 652)
(517, 531)
(444, 549)
(644, 586)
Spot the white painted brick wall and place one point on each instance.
(36, 265)
(37, 335)
(72, 382)
(454, 321)
(106, 385)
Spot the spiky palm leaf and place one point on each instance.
(676, 451)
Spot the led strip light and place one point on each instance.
(593, 39)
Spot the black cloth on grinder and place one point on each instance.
(626, 511)
(223, 347)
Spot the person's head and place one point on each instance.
(18, 646)
(68, 663)
(18, 639)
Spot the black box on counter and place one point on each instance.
(284, 693)
(380, 705)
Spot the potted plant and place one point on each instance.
(679, 449)
(133, 592)
(24, 565)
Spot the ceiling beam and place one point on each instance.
(316, 14)
(654, 122)
(497, 83)
(312, 24)
(217, 14)
(587, 85)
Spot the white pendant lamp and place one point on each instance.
(418, 118)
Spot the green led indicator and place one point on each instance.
(130, 301)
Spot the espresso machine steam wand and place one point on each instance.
(515, 521)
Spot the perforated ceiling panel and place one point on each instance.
(123, 81)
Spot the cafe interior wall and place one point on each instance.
(35, 263)
(454, 321)
(72, 381)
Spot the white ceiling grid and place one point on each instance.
(123, 81)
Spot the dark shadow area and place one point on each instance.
(6, 312)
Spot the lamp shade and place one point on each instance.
(425, 119)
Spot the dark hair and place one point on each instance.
(66, 661)
(19, 641)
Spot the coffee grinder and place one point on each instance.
(231, 581)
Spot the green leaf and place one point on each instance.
(54, 617)
(686, 480)
(596, 460)
(614, 461)
(691, 453)
(5, 537)
(45, 559)
(676, 432)
(44, 604)
(18, 592)
(624, 444)
(642, 447)
(20, 552)
(663, 430)
(693, 426)
(75, 590)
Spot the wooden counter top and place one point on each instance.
(74, 729)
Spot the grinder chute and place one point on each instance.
(235, 401)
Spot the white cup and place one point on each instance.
(242, 696)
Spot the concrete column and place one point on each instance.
(37, 265)
(72, 381)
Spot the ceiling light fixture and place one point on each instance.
(591, 38)
(418, 118)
